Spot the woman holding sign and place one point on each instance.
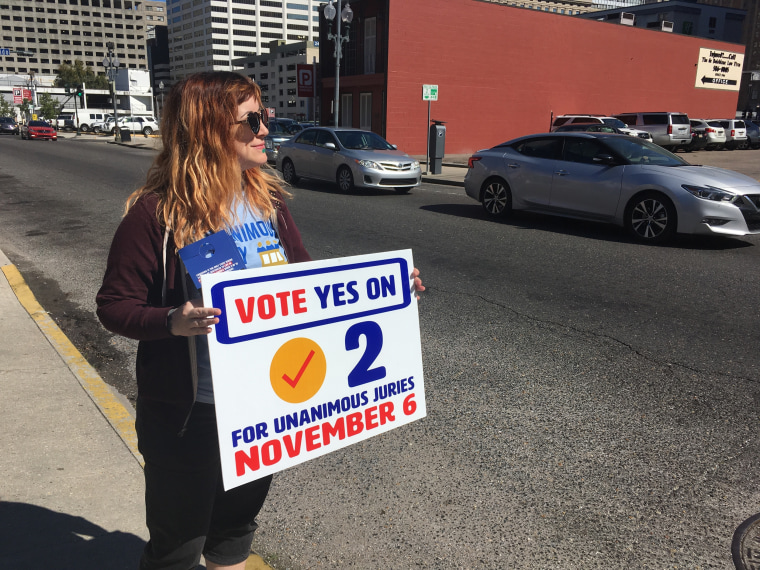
(207, 178)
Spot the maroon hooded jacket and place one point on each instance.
(130, 304)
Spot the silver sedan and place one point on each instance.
(616, 179)
(349, 157)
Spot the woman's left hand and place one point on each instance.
(418, 286)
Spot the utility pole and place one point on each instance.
(111, 63)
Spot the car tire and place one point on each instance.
(289, 172)
(96, 130)
(84, 128)
(650, 217)
(496, 198)
(147, 131)
(345, 180)
(403, 189)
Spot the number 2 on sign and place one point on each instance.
(362, 373)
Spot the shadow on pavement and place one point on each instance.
(33, 537)
(580, 228)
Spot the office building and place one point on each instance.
(206, 35)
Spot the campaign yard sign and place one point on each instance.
(312, 357)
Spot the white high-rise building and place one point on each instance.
(207, 35)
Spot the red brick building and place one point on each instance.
(502, 72)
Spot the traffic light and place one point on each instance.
(80, 92)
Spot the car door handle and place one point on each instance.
(561, 172)
(513, 165)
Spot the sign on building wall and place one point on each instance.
(20, 94)
(312, 357)
(305, 80)
(717, 69)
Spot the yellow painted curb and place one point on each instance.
(116, 414)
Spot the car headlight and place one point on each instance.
(708, 193)
(415, 164)
(369, 164)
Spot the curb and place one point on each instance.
(114, 411)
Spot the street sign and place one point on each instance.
(312, 357)
(430, 93)
(5, 51)
(719, 69)
(305, 80)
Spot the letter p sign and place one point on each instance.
(305, 81)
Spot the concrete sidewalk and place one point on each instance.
(72, 483)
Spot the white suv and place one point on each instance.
(144, 125)
(736, 132)
(611, 121)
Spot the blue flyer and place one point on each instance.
(215, 253)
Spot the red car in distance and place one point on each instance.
(38, 130)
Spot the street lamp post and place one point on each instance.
(346, 15)
(111, 63)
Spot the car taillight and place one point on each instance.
(710, 130)
(733, 132)
(670, 129)
(472, 160)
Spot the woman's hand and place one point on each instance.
(418, 286)
(192, 319)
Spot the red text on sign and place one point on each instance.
(312, 438)
(267, 305)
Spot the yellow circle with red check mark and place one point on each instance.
(298, 370)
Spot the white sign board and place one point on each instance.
(718, 69)
(312, 357)
(430, 93)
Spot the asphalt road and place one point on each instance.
(592, 402)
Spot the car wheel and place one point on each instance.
(496, 198)
(96, 130)
(289, 172)
(651, 217)
(403, 189)
(84, 128)
(345, 180)
(113, 131)
(147, 131)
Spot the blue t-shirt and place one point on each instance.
(259, 245)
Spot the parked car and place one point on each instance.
(103, 126)
(611, 178)
(714, 134)
(698, 136)
(753, 134)
(8, 126)
(65, 121)
(278, 133)
(736, 132)
(144, 125)
(565, 120)
(349, 157)
(588, 128)
(669, 130)
(38, 130)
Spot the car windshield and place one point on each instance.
(38, 124)
(639, 151)
(617, 123)
(362, 140)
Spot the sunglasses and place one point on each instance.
(255, 120)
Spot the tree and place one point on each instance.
(6, 108)
(79, 74)
(47, 106)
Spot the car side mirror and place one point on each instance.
(607, 159)
(331, 146)
(394, 146)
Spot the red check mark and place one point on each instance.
(295, 380)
